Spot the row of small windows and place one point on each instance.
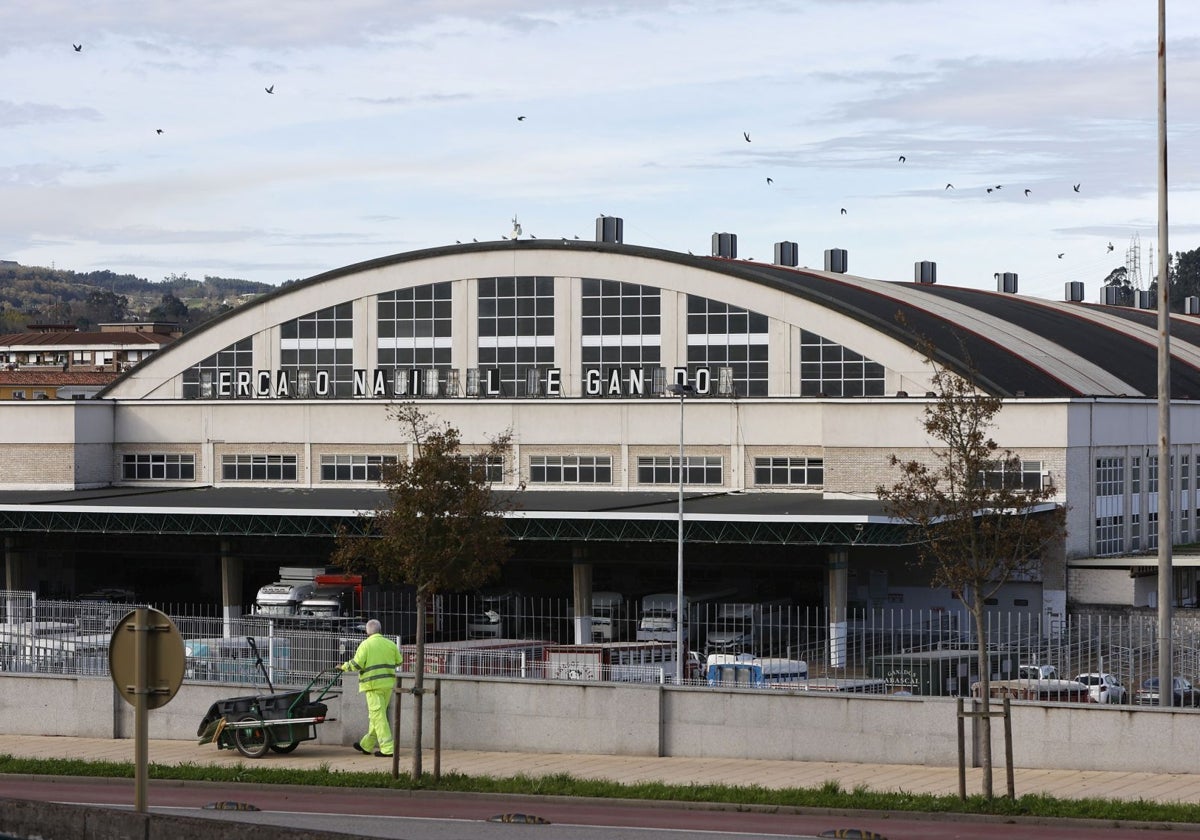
(543, 469)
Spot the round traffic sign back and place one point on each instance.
(163, 651)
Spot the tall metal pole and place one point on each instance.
(680, 648)
(681, 389)
(1166, 694)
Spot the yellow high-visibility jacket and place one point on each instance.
(376, 661)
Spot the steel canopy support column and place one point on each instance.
(839, 576)
(231, 588)
(581, 575)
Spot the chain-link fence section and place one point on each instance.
(924, 652)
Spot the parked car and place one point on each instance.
(1104, 688)
(1186, 694)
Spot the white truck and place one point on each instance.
(744, 628)
(497, 615)
(608, 617)
(284, 597)
(657, 621)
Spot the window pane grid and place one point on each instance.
(704, 469)
(158, 467)
(353, 467)
(789, 471)
(570, 469)
(836, 371)
(720, 335)
(258, 467)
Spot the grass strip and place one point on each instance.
(828, 795)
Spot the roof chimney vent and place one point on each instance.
(835, 260)
(925, 272)
(610, 229)
(1191, 305)
(1110, 295)
(1074, 291)
(724, 245)
(1145, 299)
(787, 253)
(1007, 282)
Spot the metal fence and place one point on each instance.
(926, 652)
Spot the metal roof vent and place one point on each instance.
(925, 272)
(724, 245)
(1007, 282)
(1110, 295)
(1145, 299)
(1074, 291)
(835, 260)
(610, 229)
(1191, 305)
(787, 253)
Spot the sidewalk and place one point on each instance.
(1063, 784)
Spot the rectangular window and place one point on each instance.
(40, 395)
(704, 469)
(570, 469)
(353, 467)
(1110, 476)
(789, 471)
(18, 395)
(158, 467)
(1023, 475)
(1110, 535)
(258, 467)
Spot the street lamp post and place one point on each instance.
(681, 389)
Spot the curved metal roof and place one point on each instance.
(1016, 345)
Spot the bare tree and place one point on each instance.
(442, 530)
(979, 525)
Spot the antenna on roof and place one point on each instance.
(516, 227)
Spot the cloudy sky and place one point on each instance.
(393, 126)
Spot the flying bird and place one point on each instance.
(770, 180)
(949, 186)
(998, 186)
(989, 189)
(843, 211)
(902, 158)
(1076, 188)
(746, 134)
(1110, 247)
(270, 89)
(158, 131)
(1060, 256)
(1027, 192)
(521, 118)
(78, 47)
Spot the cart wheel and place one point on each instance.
(252, 741)
(285, 747)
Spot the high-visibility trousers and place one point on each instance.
(379, 731)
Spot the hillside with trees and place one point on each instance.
(39, 295)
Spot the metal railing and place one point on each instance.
(927, 652)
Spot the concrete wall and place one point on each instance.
(646, 720)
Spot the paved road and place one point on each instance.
(451, 816)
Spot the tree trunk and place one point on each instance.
(418, 685)
(985, 694)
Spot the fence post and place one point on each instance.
(271, 652)
(962, 754)
(1008, 749)
(437, 730)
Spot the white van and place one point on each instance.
(608, 616)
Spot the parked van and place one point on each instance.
(608, 617)
(657, 621)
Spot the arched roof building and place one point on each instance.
(272, 419)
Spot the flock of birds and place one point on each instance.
(949, 186)
(270, 89)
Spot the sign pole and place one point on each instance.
(141, 751)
